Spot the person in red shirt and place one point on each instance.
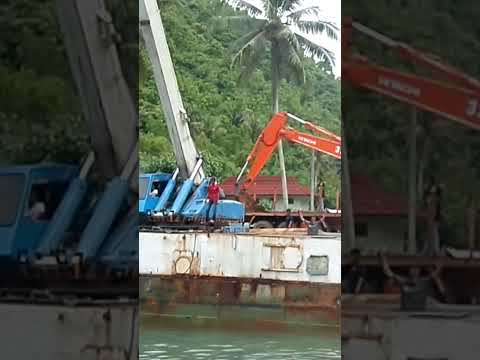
(213, 196)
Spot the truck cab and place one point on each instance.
(30, 196)
(147, 184)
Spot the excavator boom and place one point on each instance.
(454, 95)
(447, 72)
(277, 130)
(324, 146)
(458, 104)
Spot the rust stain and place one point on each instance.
(294, 297)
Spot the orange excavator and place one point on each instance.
(277, 129)
(447, 92)
(453, 95)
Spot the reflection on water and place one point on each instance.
(202, 345)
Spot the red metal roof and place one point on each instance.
(267, 186)
(368, 198)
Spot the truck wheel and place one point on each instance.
(262, 224)
(282, 225)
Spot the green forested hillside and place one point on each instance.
(226, 117)
(377, 128)
(40, 114)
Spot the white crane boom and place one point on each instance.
(176, 117)
(110, 112)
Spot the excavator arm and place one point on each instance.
(454, 95)
(277, 130)
(316, 129)
(448, 92)
(408, 53)
(325, 146)
(458, 104)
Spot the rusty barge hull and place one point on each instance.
(374, 327)
(89, 330)
(222, 279)
(240, 302)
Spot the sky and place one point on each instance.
(331, 11)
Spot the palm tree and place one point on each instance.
(278, 26)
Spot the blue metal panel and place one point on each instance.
(144, 186)
(196, 205)
(24, 233)
(182, 196)
(102, 219)
(166, 194)
(230, 210)
(121, 248)
(63, 217)
(28, 234)
(236, 228)
(146, 202)
(12, 212)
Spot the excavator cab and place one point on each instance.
(30, 196)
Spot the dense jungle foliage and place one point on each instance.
(41, 119)
(40, 114)
(226, 116)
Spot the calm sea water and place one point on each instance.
(214, 345)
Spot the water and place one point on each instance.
(215, 345)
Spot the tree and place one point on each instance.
(278, 27)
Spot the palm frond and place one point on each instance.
(298, 14)
(270, 9)
(288, 36)
(243, 5)
(248, 44)
(251, 63)
(295, 63)
(239, 23)
(316, 50)
(291, 53)
(318, 26)
(289, 5)
(244, 39)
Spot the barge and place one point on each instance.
(275, 279)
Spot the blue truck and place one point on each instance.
(163, 197)
(48, 214)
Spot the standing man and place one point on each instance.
(289, 220)
(433, 206)
(321, 196)
(213, 196)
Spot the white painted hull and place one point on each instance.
(276, 257)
